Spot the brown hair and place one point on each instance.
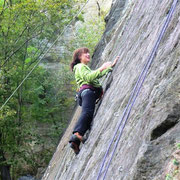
(76, 56)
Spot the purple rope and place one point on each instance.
(134, 94)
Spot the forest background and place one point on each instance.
(33, 120)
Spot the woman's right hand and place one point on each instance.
(105, 66)
(108, 64)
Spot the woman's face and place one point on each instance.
(85, 58)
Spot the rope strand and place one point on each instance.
(135, 94)
(42, 57)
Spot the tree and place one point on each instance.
(38, 111)
(27, 28)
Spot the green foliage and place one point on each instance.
(178, 145)
(169, 177)
(174, 171)
(175, 162)
(80, 18)
(26, 29)
(39, 110)
(88, 34)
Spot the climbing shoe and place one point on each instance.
(75, 147)
(74, 138)
(75, 143)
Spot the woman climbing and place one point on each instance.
(89, 91)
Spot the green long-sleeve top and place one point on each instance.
(84, 75)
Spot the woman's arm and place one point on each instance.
(88, 75)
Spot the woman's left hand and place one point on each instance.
(115, 61)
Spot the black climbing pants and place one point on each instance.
(88, 100)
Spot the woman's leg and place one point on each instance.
(88, 106)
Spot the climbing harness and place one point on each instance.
(134, 95)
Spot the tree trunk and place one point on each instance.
(4, 169)
(5, 172)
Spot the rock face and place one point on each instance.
(152, 130)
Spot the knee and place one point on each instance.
(89, 114)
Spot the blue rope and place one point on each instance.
(135, 93)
